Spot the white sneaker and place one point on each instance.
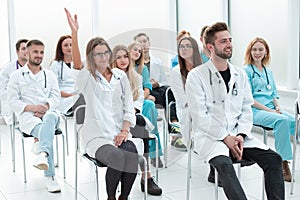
(35, 148)
(51, 184)
(41, 161)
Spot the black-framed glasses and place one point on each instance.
(187, 46)
(100, 55)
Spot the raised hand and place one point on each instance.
(73, 23)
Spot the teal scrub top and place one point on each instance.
(146, 77)
(262, 85)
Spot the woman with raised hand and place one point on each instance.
(105, 133)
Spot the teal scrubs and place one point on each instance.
(151, 113)
(264, 90)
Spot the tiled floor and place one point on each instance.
(173, 179)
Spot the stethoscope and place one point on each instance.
(234, 91)
(18, 65)
(45, 77)
(62, 69)
(99, 78)
(268, 82)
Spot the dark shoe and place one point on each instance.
(175, 131)
(111, 198)
(286, 171)
(211, 177)
(153, 188)
(178, 145)
(160, 164)
(121, 197)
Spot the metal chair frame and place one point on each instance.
(57, 133)
(78, 123)
(189, 170)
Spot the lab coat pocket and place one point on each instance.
(237, 101)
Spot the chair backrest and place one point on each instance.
(79, 115)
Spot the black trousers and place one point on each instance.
(268, 160)
(122, 163)
(160, 95)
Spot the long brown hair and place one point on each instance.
(91, 65)
(182, 62)
(59, 55)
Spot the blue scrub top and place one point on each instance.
(259, 85)
(146, 77)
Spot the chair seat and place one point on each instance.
(95, 161)
(263, 127)
(57, 132)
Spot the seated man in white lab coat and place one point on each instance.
(33, 95)
(220, 100)
(5, 73)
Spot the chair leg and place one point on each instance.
(145, 177)
(13, 153)
(294, 155)
(97, 183)
(189, 168)
(156, 152)
(24, 162)
(166, 135)
(76, 174)
(265, 137)
(57, 156)
(64, 155)
(66, 131)
(216, 185)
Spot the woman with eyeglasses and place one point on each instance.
(66, 69)
(149, 110)
(109, 115)
(266, 109)
(121, 59)
(189, 57)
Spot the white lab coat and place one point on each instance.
(229, 115)
(182, 112)
(106, 108)
(157, 71)
(25, 88)
(66, 77)
(5, 73)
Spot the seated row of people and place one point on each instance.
(214, 104)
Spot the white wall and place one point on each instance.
(118, 21)
(4, 40)
(267, 19)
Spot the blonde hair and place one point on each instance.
(130, 71)
(248, 57)
(140, 62)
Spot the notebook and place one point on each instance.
(67, 103)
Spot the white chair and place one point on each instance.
(295, 141)
(79, 115)
(190, 149)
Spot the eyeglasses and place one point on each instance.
(100, 55)
(188, 46)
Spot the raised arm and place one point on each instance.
(73, 23)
